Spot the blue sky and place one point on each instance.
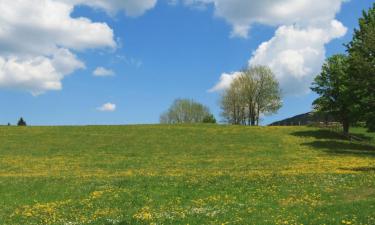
(164, 52)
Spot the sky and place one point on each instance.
(91, 62)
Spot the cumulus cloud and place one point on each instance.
(103, 72)
(37, 41)
(107, 107)
(37, 74)
(297, 50)
(241, 14)
(130, 7)
(225, 81)
(296, 55)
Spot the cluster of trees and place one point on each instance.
(21, 123)
(251, 94)
(346, 85)
(187, 111)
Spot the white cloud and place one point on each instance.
(297, 50)
(241, 14)
(130, 7)
(107, 107)
(37, 40)
(225, 81)
(296, 55)
(103, 72)
(37, 74)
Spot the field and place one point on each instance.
(203, 174)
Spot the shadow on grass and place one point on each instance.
(363, 137)
(360, 169)
(319, 134)
(344, 148)
(327, 134)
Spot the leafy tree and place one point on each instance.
(268, 94)
(233, 103)
(333, 87)
(185, 111)
(254, 92)
(362, 65)
(209, 119)
(21, 122)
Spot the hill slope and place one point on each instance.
(302, 119)
(183, 175)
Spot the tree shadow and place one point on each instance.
(362, 137)
(343, 148)
(319, 134)
(327, 134)
(359, 169)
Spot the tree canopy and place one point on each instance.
(334, 90)
(253, 93)
(186, 111)
(21, 122)
(362, 65)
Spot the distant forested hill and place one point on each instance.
(303, 119)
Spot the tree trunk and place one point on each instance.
(345, 126)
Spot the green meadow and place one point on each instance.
(185, 174)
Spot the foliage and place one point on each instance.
(254, 92)
(21, 122)
(333, 85)
(185, 111)
(362, 65)
(209, 119)
(184, 174)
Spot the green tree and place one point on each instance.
(21, 122)
(209, 119)
(253, 93)
(267, 92)
(185, 111)
(362, 65)
(333, 87)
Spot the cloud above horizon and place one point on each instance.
(103, 72)
(107, 107)
(39, 38)
(37, 42)
(296, 52)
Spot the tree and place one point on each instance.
(362, 65)
(333, 87)
(185, 111)
(232, 103)
(267, 92)
(254, 92)
(209, 119)
(21, 122)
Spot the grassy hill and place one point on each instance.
(184, 175)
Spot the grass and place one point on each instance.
(203, 174)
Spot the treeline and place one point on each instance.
(21, 123)
(346, 85)
(253, 93)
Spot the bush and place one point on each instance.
(209, 119)
(21, 122)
